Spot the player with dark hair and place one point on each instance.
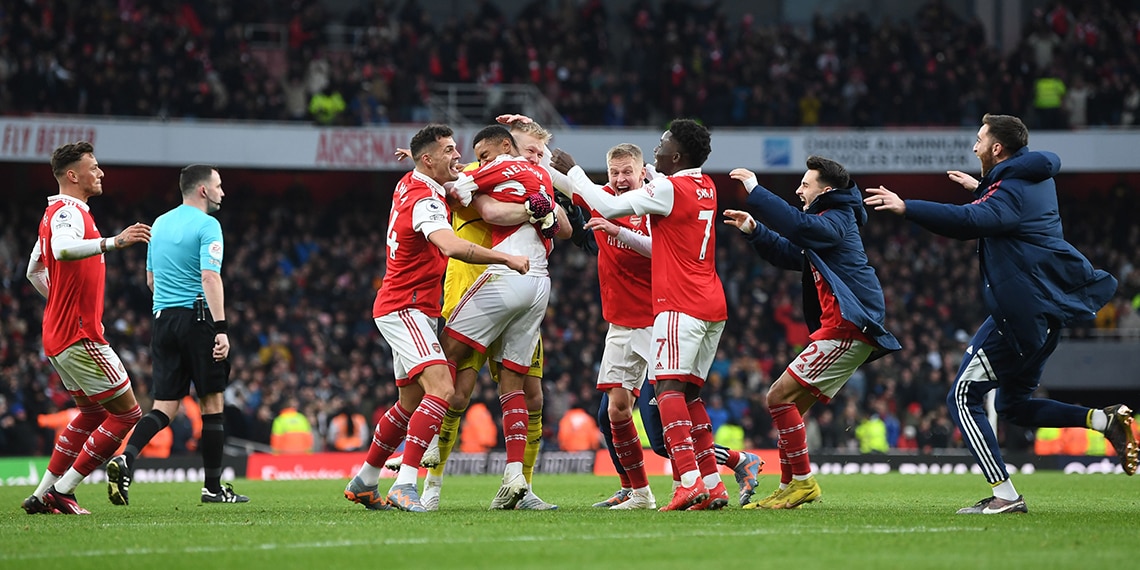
(67, 268)
(190, 341)
(1033, 284)
(419, 242)
(842, 298)
(688, 298)
(474, 224)
(501, 309)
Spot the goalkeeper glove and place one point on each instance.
(538, 205)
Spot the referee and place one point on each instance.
(189, 342)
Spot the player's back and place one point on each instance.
(74, 307)
(415, 266)
(684, 251)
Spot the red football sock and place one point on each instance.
(390, 430)
(793, 438)
(678, 430)
(676, 472)
(515, 418)
(732, 459)
(423, 425)
(105, 440)
(71, 440)
(702, 437)
(785, 467)
(628, 449)
(625, 484)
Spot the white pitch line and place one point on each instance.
(269, 546)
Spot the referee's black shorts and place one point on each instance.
(182, 350)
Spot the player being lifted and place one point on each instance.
(473, 223)
(503, 307)
(406, 310)
(688, 298)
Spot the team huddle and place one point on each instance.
(479, 238)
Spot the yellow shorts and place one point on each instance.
(476, 360)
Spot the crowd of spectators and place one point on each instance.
(1077, 63)
(301, 276)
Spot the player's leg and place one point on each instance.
(977, 375)
(621, 374)
(103, 378)
(651, 421)
(532, 391)
(70, 442)
(434, 385)
(700, 361)
(675, 343)
(520, 338)
(746, 467)
(1015, 403)
(411, 353)
(603, 419)
(440, 451)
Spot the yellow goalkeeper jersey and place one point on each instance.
(460, 275)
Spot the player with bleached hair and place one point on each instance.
(688, 298)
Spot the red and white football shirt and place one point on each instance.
(624, 274)
(511, 179)
(414, 276)
(682, 210)
(75, 298)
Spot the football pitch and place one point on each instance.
(886, 521)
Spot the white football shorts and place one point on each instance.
(505, 307)
(684, 347)
(415, 346)
(826, 365)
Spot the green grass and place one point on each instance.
(888, 521)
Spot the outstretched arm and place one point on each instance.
(776, 249)
(804, 230)
(998, 211)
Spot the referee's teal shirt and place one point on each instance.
(183, 242)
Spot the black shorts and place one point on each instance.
(182, 349)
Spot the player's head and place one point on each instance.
(686, 144)
(626, 167)
(75, 167)
(435, 153)
(492, 141)
(531, 139)
(202, 185)
(823, 175)
(999, 138)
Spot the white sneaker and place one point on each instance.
(532, 502)
(637, 500)
(510, 493)
(431, 455)
(393, 463)
(430, 497)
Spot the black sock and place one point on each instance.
(150, 424)
(213, 443)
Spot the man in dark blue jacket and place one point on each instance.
(1033, 283)
(842, 298)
